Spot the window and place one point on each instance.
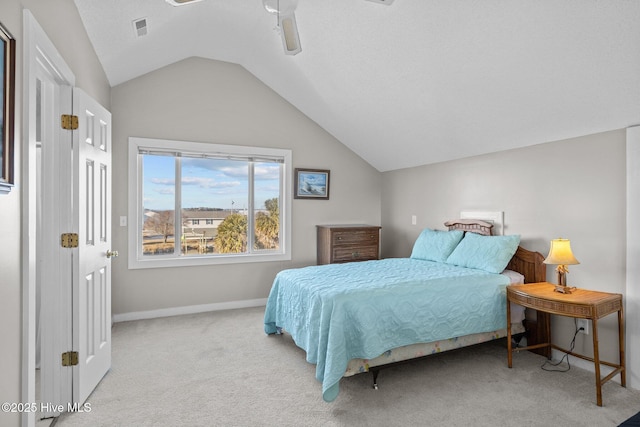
(194, 203)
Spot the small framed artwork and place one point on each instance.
(311, 184)
(8, 91)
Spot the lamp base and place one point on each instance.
(563, 289)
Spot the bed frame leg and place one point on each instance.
(375, 373)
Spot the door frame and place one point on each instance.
(632, 293)
(38, 52)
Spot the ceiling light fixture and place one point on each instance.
(285, 11)
(387, 2)
(181, 2)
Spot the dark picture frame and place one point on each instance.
(8, 91)
(311, 184)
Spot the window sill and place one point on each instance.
(190, 261)
(5, 188)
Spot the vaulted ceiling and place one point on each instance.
(412, 82)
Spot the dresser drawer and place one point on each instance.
(358, 237)
(355, 253)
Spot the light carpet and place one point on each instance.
(220, 369)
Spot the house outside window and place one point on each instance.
(198, 203)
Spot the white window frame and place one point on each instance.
(137, 260)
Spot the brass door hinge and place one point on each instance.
(70, 358)
(69, 122)
(69, 240)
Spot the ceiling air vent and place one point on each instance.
(140, 27)
(181, 2)
(387, 2)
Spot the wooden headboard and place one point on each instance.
(528, 263)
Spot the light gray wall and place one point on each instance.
(574, 189)
(61, 22)
(211, 101)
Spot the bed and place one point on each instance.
(362, 316)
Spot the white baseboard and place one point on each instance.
(191, 309)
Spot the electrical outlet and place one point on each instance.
(414, 220)
(583, 323)
(123, 221)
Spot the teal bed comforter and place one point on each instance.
(338, 312)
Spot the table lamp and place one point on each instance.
(560, 254)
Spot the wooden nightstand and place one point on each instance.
(582, 304)
(347, 243)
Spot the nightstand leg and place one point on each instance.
(509, 356)
(596, 361)
(547, 326)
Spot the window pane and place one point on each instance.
(158, 203)
(215, 196)
(267, 206)
(207, 204)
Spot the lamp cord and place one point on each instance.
(545, 366)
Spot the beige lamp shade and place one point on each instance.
(560, 253)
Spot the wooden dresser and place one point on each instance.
(348, 242)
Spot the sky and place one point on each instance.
(206, 183)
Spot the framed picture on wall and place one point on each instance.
(8, 90)
(311, 184)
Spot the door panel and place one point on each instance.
(92, 292)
